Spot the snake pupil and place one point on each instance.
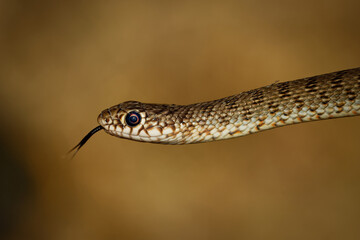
(132, 119)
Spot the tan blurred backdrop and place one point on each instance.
(62, 62)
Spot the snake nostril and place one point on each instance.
(104, 118)
(108, 121)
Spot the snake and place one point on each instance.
(321, 97)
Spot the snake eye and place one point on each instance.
(132, 119)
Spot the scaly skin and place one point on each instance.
(321, 97)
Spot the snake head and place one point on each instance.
(140, 121)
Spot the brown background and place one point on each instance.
(62, 62)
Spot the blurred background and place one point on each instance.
(62, 62)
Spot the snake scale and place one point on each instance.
(325, 96)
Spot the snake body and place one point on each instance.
(326, 96)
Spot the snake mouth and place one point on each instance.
(85, 139)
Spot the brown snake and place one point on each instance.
(326, 96)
